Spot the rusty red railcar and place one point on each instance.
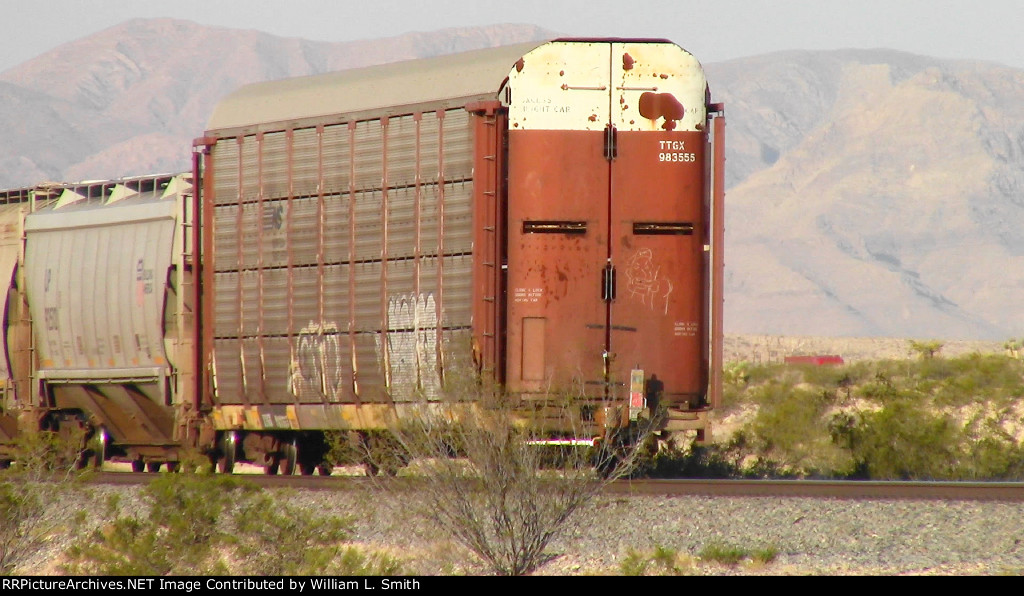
(550, 213)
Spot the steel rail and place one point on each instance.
(678, 488)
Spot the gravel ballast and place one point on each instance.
(809, 536)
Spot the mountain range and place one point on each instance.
(869, 192)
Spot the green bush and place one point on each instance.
(905, 442)
(634, 563)
(180, 532)
(699, 461)
(276, 538)
(720, 552)
(197, 524)
(881, 419)
(791, 430)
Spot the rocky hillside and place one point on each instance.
(871, 193)
(129, 100)
(874, 193)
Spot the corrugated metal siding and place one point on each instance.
(10, 247)
(131, 246)
(310, 260)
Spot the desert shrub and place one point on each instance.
(634, 563)
(487, 485)
(46, 469)
(925, 350)
(995, 379)
(727, 554)
(884, 419)
(827, 377)
(697, 461)
(791, 430)
(720, 552)
(902, 441)
(661, 560)
(993, 458)
(274, 537)
(884, 386)
(201, 524)
(179, 532)
(739, 376)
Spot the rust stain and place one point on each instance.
(664, 76)
(661, 105)
(561, 73)
(627, 62)
(519, 65)
(593, 118)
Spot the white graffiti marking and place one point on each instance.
(644, 283)
(411, 346)
(316, 363)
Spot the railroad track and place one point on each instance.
(816, 489)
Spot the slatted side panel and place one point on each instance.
(342, 259)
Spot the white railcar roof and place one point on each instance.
(455, 77)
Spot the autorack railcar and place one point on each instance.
(555, 206)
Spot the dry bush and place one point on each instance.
(482, 477)
(46, 466)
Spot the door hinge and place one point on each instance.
(611, 142)
(608, 282)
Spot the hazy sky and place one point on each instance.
(713, 30)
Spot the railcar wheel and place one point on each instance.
(152, 467)
(138, 465)
(97, 450)
(228, 448)
(324, 469)
(289, 457)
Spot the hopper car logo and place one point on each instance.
(51, 316)
(143, 281)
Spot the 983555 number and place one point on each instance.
(677, 156)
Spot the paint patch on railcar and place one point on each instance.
(662, 105)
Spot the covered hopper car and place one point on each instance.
(98, 327)
(546, 214)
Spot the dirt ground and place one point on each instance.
(768, 348)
